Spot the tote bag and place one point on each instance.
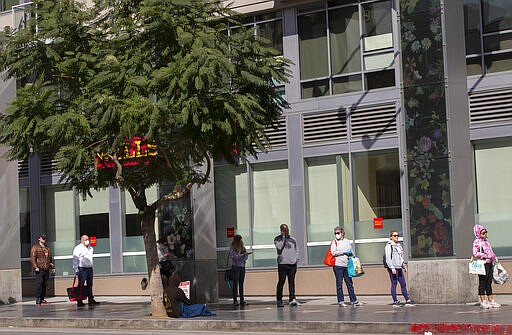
(355, 269)
(329, 259)
(477, 267)
(77, 294)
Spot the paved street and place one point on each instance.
(315, 315)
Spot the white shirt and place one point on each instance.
(82, 257)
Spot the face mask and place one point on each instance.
(338, 235)
(86, 243)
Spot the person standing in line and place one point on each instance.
(341, 248)
(395, 264)
(287, 258)
(238, 256)
(482, 250)
(82, 264)
(42, 262)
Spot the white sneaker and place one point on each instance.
(484, 305)
(493, 304)
(294, 303)
(342, 304)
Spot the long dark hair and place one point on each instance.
(237, 244)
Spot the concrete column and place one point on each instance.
(10, 266)
(437, 150)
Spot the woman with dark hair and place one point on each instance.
(238, 257)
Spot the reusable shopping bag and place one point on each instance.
(329, 259)
(355, 269)
(477, 267)
(75, 293)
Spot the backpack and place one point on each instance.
(384, 258)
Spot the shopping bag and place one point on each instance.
(329, 259)
(77, 293)
(499, 274)
(355, 268)
(477, 267)
(229, 277)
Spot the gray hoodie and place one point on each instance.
(287, 250)
(394, 255)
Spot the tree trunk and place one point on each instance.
(155, 286)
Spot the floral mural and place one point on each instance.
(424, 107)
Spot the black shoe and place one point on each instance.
(280, 304)
(244, 303)
(93, 302)
(80, 303)
(38, 302)
(235, 303)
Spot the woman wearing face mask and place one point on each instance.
(341, 248)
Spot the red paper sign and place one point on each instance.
(378, 223)
(92, 241)
(230, 231)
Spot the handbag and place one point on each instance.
(355, 268)
(499, 274)
(477, 267)
(77, 293)
(329, 259)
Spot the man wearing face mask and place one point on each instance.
(42, 262)
(82, 264)
(287, 258)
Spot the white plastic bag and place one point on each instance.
(499, 274)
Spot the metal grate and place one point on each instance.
(23, 168)
(373, 121)
(276, 134)
(48, 166)
(325, 127)
(491, 107)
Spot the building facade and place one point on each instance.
(353, 149)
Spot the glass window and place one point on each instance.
(381, 79)
(493, 162)
(7, 4)
(25, 238)
(497, 15)
(94, 221)
(344, 39)
(231, 203)
(313, 89)
(58, 206)
(134, 258)
(498, 63)
(376, 195)
(273, 31)
(472, 26)
(327, 201)
(377, 26)
(347, 84)
(313, 45)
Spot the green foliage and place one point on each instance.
(165, 70)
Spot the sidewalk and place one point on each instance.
(316, 314)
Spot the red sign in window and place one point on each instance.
(92, 241)
(378, 223)
(230, 231)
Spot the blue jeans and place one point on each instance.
(341, 273)
(395, 279)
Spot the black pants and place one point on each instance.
(238, 282)
(41, 284)
(286, 270)
(485, 281)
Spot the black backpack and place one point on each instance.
(384, 258)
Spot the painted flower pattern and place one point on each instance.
(426, 130)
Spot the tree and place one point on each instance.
(169, 72)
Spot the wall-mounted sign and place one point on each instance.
(92, 241)
(378, 223)
(230, 232)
